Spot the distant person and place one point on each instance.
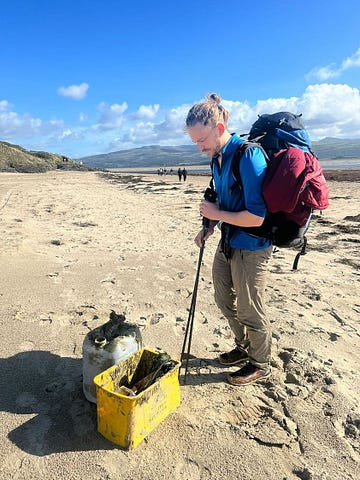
(180, 174)
(240, 265)
(184, 174)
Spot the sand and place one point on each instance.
(75, 245)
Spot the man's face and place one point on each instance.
(206, 138)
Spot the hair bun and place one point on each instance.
(214, 97)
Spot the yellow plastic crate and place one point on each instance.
(127, 420)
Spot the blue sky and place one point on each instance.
(86, 77)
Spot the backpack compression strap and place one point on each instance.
(298, 255)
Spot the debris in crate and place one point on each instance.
(123, 416)
(126, 391)
(146, 374)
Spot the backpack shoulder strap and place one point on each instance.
(235, 163)
(212, 164)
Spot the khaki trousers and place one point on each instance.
(239, 285)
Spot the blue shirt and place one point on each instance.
(252, 172)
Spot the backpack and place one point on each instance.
(294, 185)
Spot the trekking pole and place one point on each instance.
(190, 321)
(209, 195)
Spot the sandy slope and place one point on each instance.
(73, 246)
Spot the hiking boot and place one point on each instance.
(234, 357)
(249, 373)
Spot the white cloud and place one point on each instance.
(76, 92)
(173, 124)
(334, 71)
(328, 110)
(332, 110)
(5, 105)
(353, 61)
(323, 73)
(66, 133)
(112, 115)
(147, 111)
(167, 129)
(141, 133)
(14, 125)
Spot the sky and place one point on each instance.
(81, 78)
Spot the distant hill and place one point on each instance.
(157, 156)
(151, 156)
(14, 158)
(335, 148)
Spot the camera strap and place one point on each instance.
(226, 249)
(226, 228)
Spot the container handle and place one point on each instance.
(100, 342)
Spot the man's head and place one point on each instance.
(206, 124)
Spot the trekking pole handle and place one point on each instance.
(209, 195)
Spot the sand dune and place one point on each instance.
(75, 245)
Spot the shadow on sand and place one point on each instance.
(46, 391)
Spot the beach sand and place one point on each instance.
(76, 245)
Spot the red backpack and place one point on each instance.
(294, 184)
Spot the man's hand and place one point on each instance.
(200, 239)
(209, 210)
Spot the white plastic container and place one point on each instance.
(105, 346)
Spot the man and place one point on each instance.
(241, 260)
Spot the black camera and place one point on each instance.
(209, 195)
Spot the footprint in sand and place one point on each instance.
(352, 430)
(191, 469)
(307, 372)
(223, 332)
(26, 346)
(55, 386)
(14, 465)
(155, 318)
(81, 412)
(180, 325)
